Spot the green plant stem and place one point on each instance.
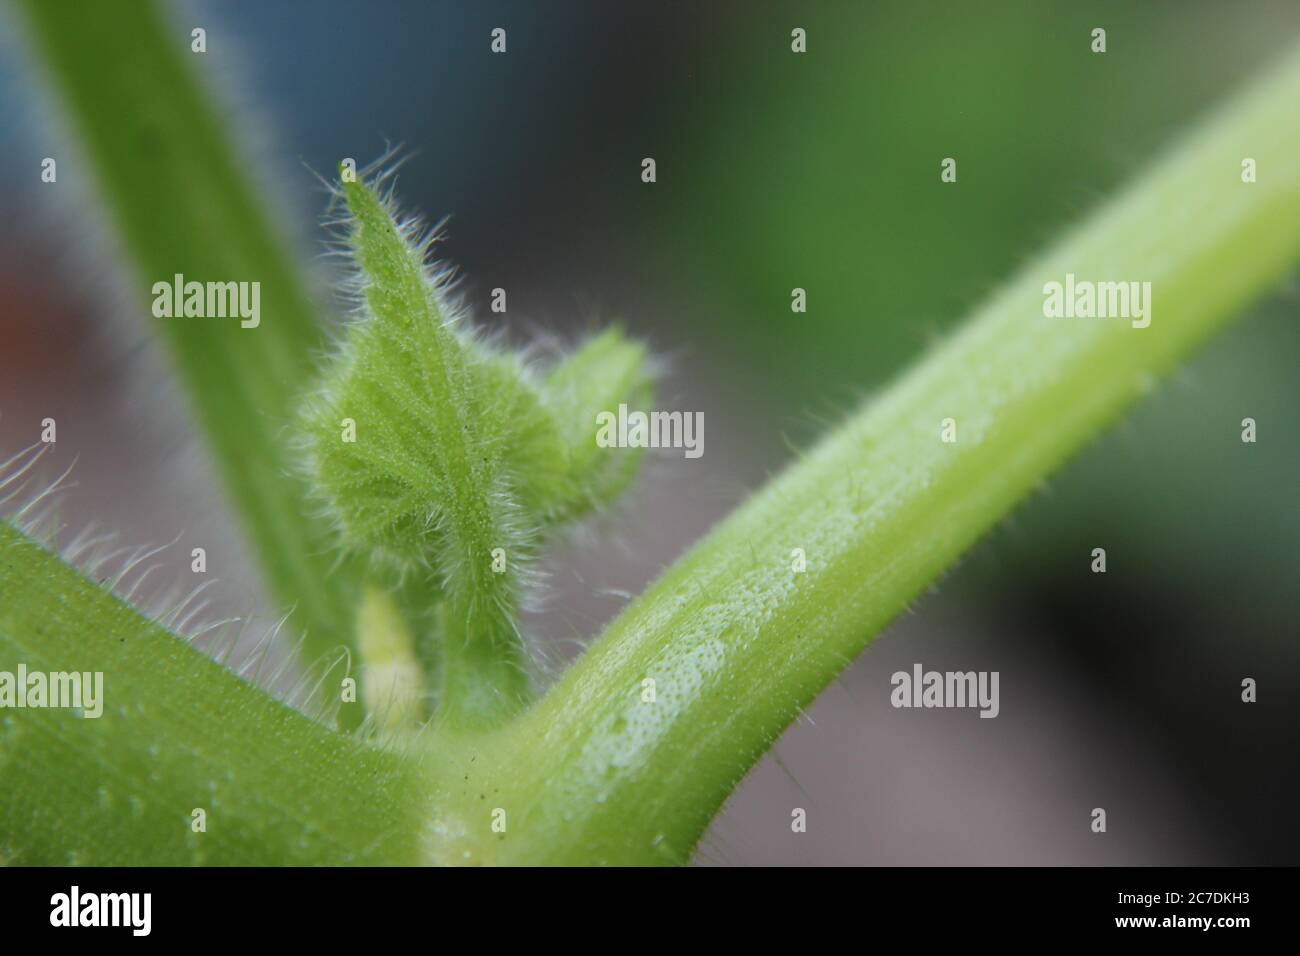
(735, 640)
(738, 643)
(178, 733)
(182, 204)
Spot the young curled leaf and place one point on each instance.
(606, 371)
(447, 457)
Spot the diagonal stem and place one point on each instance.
(738, 643)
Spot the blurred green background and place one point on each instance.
(776, 171)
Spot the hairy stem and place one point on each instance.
(177, 734)
(737, 642)
(183, 205)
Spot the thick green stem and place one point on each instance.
(182, 204)
(630, 755)
(186, 763)
(738, 642)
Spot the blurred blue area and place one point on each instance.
(778, 171)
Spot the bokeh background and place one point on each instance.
(776, 170)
